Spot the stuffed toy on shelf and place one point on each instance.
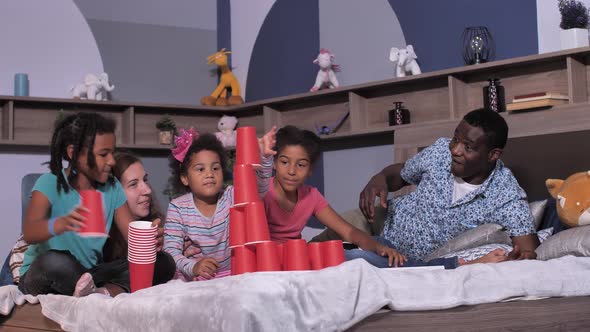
(227, 80)
(227, 131)
(572, 197)
(404, 61)
(326, 77)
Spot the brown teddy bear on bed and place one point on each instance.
(572, 197)
(569, 215)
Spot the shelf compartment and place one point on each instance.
(429, 102)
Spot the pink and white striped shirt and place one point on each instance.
(211, 235)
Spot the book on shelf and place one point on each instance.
(546, 102)
(540, 96)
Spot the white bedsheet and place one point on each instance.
(331, 299)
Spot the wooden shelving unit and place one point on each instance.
(436, 100)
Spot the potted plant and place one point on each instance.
(59, 117)
(574, 24)
(167, 127)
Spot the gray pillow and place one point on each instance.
(574, 241)
(480, 235)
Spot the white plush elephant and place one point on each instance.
(94, 87)
(404, 60)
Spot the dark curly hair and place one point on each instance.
(493, 125)
(206, 142)
(79, 130)
(291, 135)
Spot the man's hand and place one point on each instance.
(377, 186)
(524, 247)
(517, 254)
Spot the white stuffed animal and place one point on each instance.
(227, 133)
(404, 60)
(326, 77)
(94, 87)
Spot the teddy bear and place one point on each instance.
(227, 133)
(572, 197)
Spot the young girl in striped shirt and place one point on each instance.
(202, 214)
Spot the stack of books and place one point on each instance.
(536, 100)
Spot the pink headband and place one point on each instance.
(183, 143)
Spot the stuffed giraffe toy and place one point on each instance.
(226, 81)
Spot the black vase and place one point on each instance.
(399, 115)
(493, 96)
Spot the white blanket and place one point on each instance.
(10, 295)
(332, 299)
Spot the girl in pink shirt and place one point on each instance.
(289, 202)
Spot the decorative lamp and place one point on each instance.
(477, 45)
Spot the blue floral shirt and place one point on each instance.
(424, 220)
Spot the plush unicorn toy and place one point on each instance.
(326, 77)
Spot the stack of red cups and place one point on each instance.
(141, 254)
(249, 238)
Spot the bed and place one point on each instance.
(539, 295)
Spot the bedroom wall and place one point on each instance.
(162, 45)
(284, 35)
(271, 40)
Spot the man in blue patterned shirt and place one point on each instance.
(461, 184)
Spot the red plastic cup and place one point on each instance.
(245, 186)
(280, 251)
(243, 260)
(333, 252)
(256, 225)
(94, 223)
(314, 250)
(295, 256)
(267, 258)
(247, 151)
(237, 226)
(141, 275)
(142, 227)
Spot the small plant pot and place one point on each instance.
(166, 137)
(573, 38)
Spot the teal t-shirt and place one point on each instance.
(88, 250)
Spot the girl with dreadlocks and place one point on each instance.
(58, 260)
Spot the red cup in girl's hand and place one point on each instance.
(314, 250)
(94, 223)
(247, 150)
(333, 253)
(245, 186)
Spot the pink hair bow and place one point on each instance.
(183, 143)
